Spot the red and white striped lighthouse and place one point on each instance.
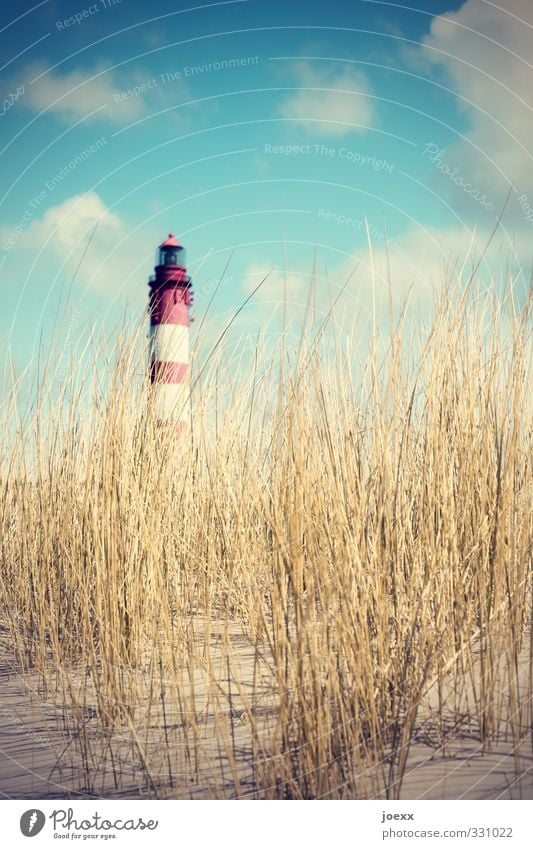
(170, 299)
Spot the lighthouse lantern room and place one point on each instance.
(170, 253)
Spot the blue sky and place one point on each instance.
(275, 133)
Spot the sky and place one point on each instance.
(309, 141)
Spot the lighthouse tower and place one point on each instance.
(170, 299)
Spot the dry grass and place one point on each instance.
(261, 611)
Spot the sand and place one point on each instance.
(40, 753)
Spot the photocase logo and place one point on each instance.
(32, 822)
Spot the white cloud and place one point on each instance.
(342, 107)
(75, 94)
(116, 98)
(276, 284)
(413, 264)
(485, 52)
(82, 239)
(69, 223)
(409, 268)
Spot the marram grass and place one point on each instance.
(261, 609)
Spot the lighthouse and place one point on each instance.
(169, 302)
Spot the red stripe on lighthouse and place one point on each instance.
(168, 372)
(170, 307)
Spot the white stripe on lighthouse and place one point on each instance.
(169, 343)
(169, 353)
(172, 402)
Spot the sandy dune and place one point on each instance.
(40, 754)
